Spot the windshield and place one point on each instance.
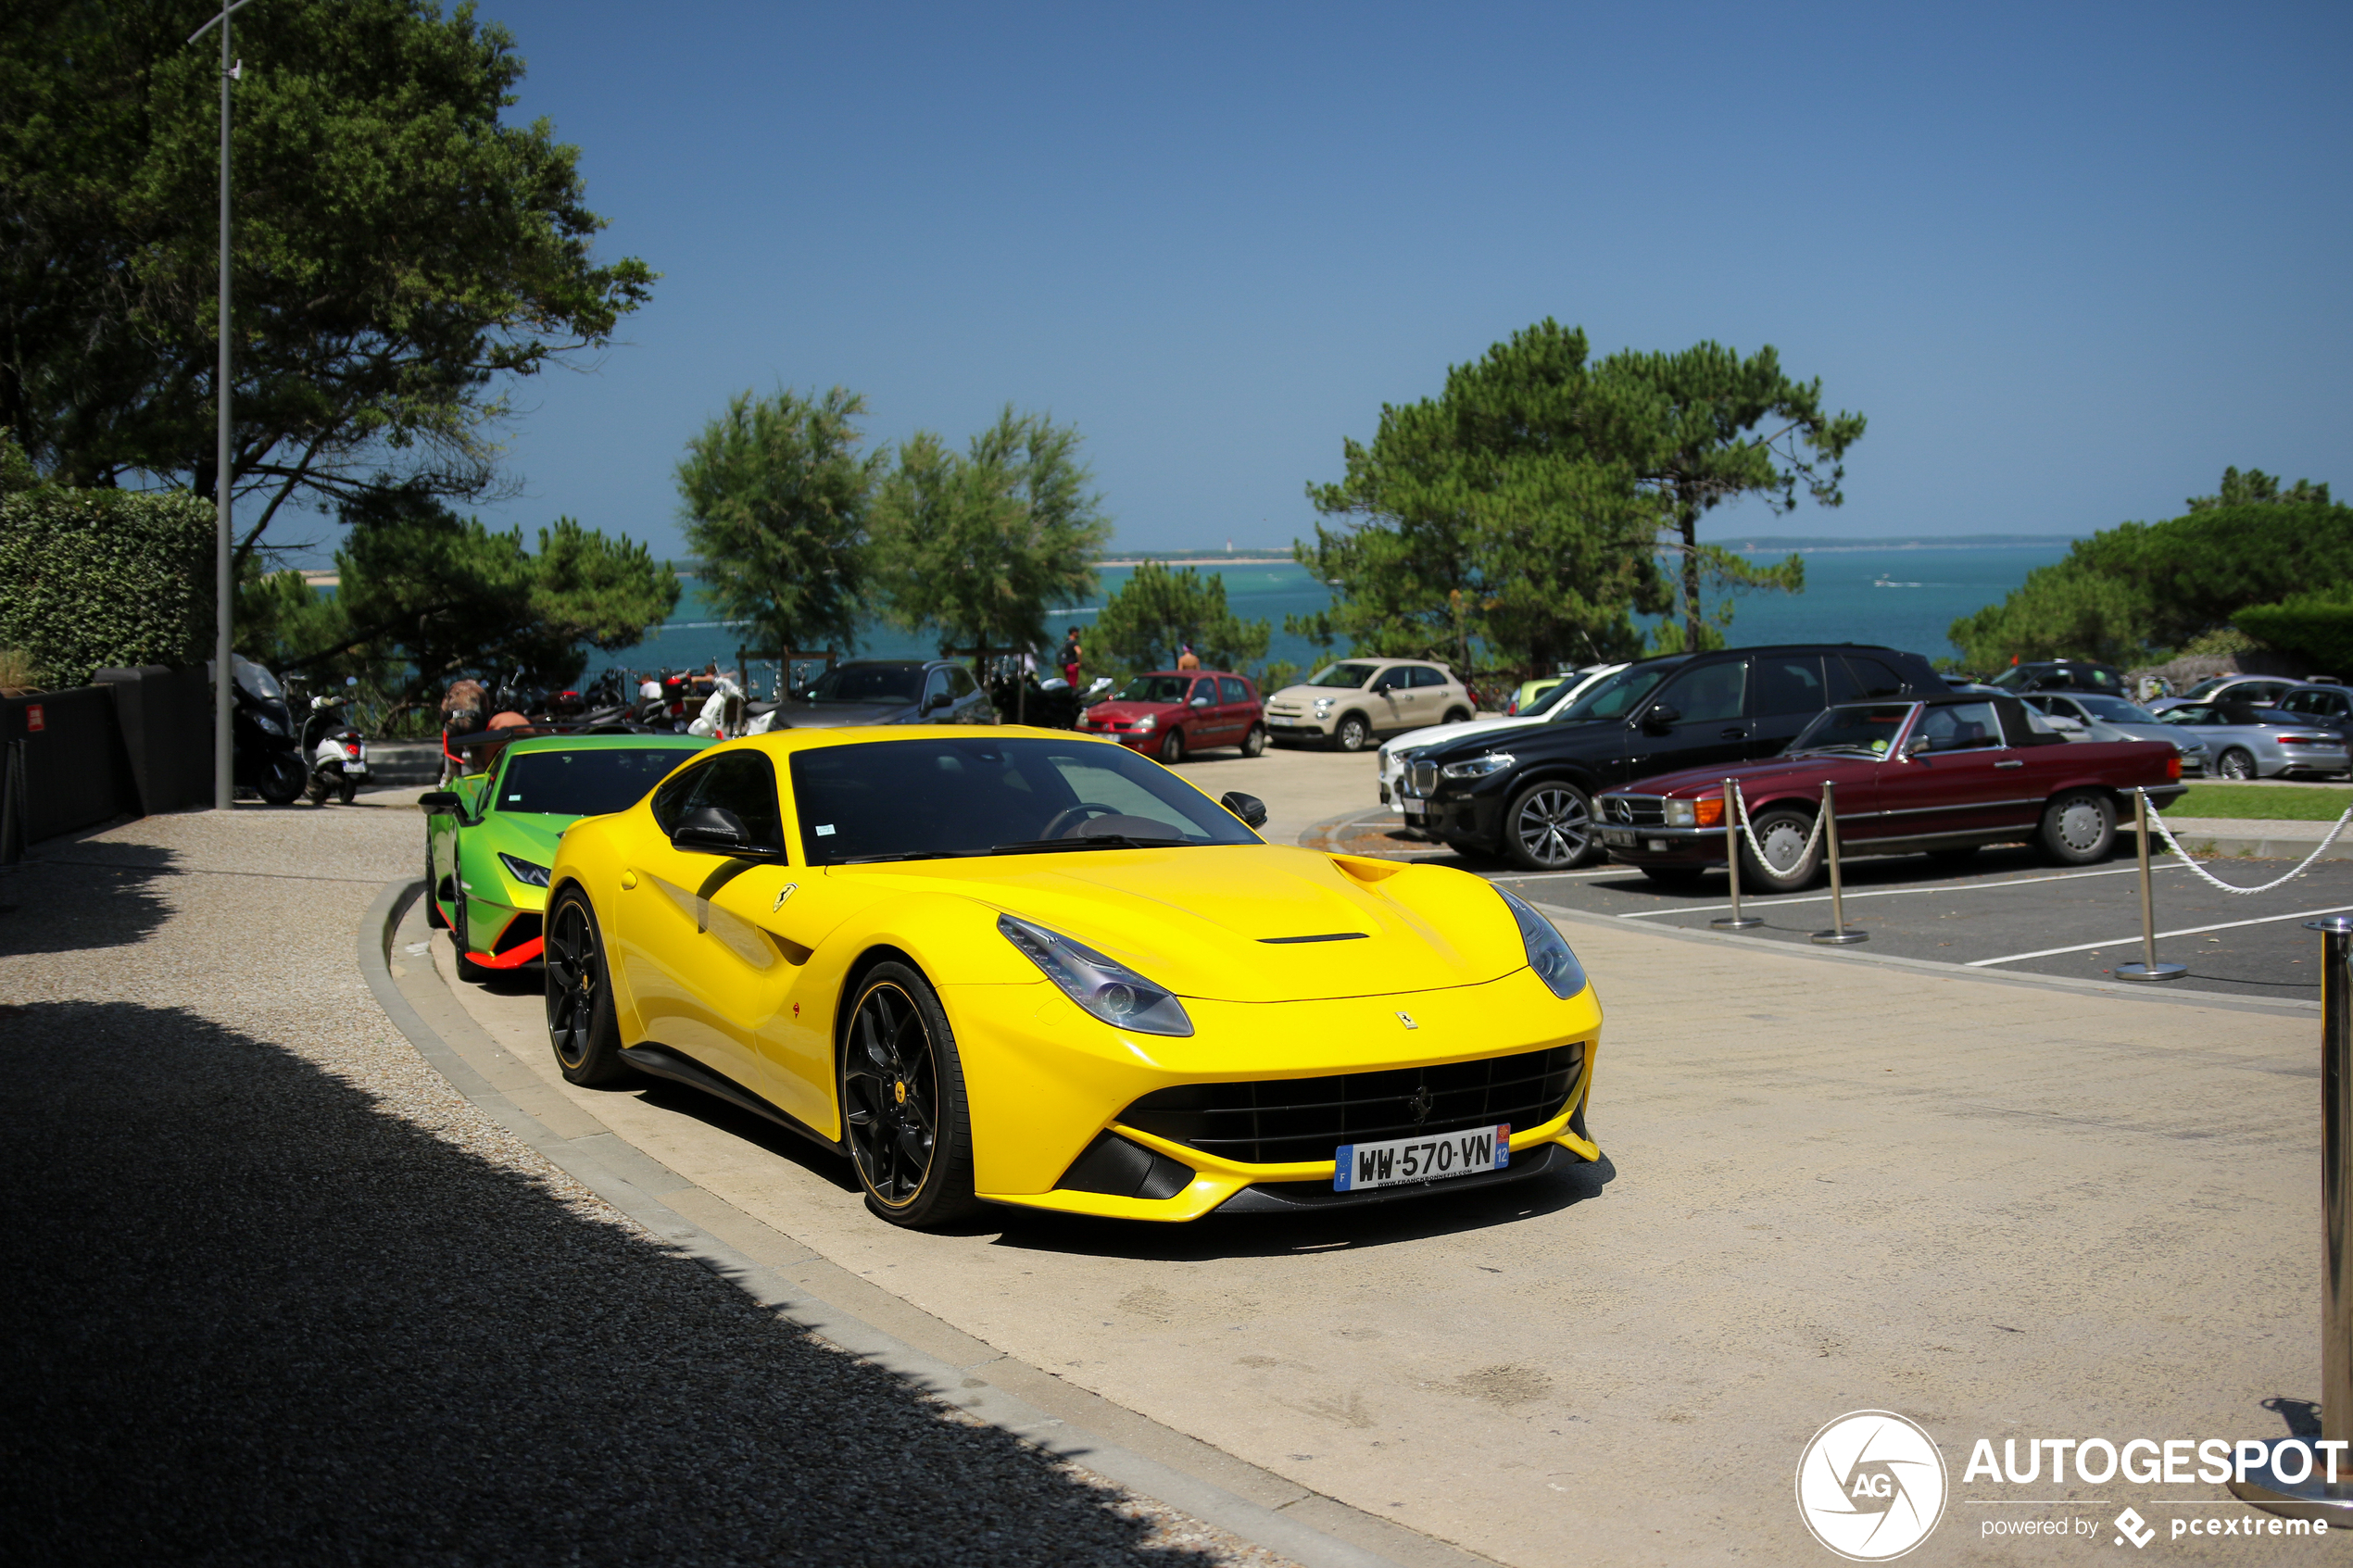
(584, 783)
(1616, 696)
(1156, 688)
(1349, 675)
(257, 682)
(2116, 710)
(2208, 687)
(1863, 729)
(915, 799)
(867, 682)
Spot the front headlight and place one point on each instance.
(1478, 766)
(1548, 952)
(523, 870)
(1148, 721)
(1323, 707)
(269, 724)
(1105, 987)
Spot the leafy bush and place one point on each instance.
(93, 579)
(2314, 627)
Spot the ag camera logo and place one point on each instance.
(1871, 1486)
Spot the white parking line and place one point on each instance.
(2162, 935)
(1892, 892)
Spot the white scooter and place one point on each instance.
(336, 754)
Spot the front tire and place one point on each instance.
(1254, 743)
(1172, 750)
(282, 780)
(1783, 831)
(903, 1112)
(582, 1027)
(435, 919)
(2080, 827)
(2235, 763)
(1351, 734)
(1549, 827)
(461, 937)
(1456, 716)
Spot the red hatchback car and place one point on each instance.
(1171, 713)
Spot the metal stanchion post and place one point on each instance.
(1736, 920)
(2148, 968)
(1838, 936)
(2312, 1494)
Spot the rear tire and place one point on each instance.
(349, 793)
(2235, 763)
(1781, 830)
(1254, 743)
(1456, 716)
(903, 1111)
(582, 1027)
(2080, 827)
(1549, 827)
(1351, 734)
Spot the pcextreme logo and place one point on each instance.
(1871, 1486)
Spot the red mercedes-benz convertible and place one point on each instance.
(1941, 777)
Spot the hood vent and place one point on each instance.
(1328, 936)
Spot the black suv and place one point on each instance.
(2062, 675)
(1528, 794)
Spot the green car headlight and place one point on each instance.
(1548, 951)
(1104, 986)
(523, 870)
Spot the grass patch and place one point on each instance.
(2256, 803)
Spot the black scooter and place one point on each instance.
(264, 757)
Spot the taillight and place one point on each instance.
(2173, 767)
(351, 748)
(1707, 811)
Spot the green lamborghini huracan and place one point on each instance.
(491, 836)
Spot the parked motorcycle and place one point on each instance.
(261, 733)
(338, 755)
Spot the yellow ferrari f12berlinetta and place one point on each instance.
(1029, 967)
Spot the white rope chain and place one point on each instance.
(2225, 886)
(1740, 798)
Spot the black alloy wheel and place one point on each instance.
(2235, 763)
(1783, 831)
(1549, 827)
(1254, 743)
(2080, 827)
(461, 934)
(1172, 750)
(1351, 732)
(902, 1101)
(582, 1028)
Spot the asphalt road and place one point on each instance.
(2009, 910)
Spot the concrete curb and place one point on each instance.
(628, 1179)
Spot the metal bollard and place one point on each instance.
(1736, 920)
(2148, 968)
(2313, 1496)
(1838, 936)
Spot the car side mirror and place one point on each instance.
(1914, 747)
(1661, 718)
(1249, 807)
(711, 830)
(936, 699)
(440, 801)
(1201, 702)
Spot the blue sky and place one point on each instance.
(2069, 260)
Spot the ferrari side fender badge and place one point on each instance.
(790, 888)
(1407, 1020)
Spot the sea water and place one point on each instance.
(1904, 596)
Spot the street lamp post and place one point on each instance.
(224, 789)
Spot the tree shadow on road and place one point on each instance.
(257, 1314)
(72, 897)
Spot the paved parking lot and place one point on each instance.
(2010, 911)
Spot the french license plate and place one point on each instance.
(1359, 1166)
(1617, 838)
(1414, 808)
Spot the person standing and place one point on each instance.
(1068, 657)
(1187, 658)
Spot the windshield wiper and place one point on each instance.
(1093, 840)
(907, 854)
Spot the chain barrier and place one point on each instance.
(1740, 798)
(2167, 834)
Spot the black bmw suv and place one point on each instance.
(1528, 794)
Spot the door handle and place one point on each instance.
(1733, 733)
(2013, 763)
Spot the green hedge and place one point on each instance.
(2314, 627)
(92, 579)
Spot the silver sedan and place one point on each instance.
(2260, 743)
(2112, 718)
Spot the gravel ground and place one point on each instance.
(278, 1293)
